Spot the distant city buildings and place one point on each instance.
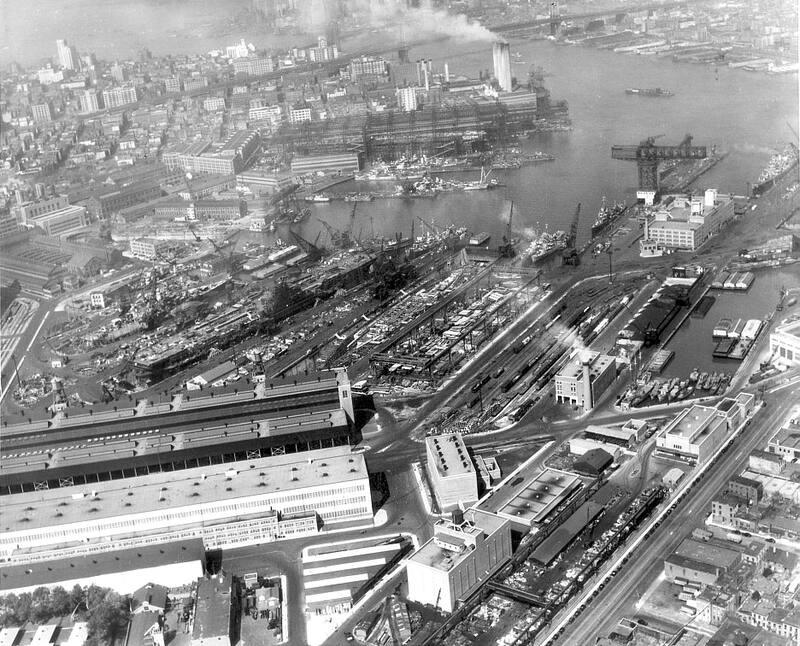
(67, 56)
(117, 97)
(42, 112)
(88, 102)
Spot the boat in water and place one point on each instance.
(649, 91)
(317, 197)
(544, 245)
(482, 184)
(779, 165)
(606, 216)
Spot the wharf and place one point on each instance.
(659, 361)
(680, 181)
(325, 184)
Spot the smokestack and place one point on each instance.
(501, 55)
(446, 73)
(427, 83)
(419, 73)
(586, 364)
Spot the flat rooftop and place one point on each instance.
(476, 523)
(449, 455)
(791, 328)
(529, 496)
(171, 490)
(574, 369)
(709, 553)
(692, 422)
(91, 565)
(787, 436)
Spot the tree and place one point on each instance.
(40, 605)
(76, 596)
(767, 573)
(756, 596)
(108, 616)
(22, 609)
(60, 602)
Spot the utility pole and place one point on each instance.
(610, 252)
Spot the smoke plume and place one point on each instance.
(416, 22)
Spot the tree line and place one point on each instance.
(105, 611)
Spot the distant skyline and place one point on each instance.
(117, 28)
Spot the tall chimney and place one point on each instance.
(446, 73)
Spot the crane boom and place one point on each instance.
(647, 155)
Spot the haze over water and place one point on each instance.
(745, 113)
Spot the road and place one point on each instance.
(619, 596)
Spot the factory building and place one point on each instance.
(226, 505)
(260, 182)
(147, 248)
(461, 555)
(122, 570)
(700, 562)
(694, 435)
(501, 56)
(61, 223)
(451, 472)
(784, 342)
(533, 499)
(585, 378)
(100, 443)
(344, 163)
(686, 223)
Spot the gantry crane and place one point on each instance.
(647, 155)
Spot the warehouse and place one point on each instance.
(566, 533)
(700, 562)
(123, 570)
(104, 442)
(255, 501)
(344, 163)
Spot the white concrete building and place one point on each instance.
(230, 504)
(450, 468)
(687, 223)
(585, 378)
(784, 342)
(694, 435)
(449, 566)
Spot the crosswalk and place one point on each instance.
(335, 575)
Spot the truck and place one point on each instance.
(734, 538)
(701, 534)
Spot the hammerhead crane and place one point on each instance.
(339, 239)
(647, 156)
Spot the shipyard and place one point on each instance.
(404, 323)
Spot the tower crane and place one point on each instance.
(647, 156)
(570, 255)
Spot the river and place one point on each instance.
(744, 113)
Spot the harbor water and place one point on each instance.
(693, 344)
(743, 113)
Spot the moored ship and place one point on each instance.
(779, 165)
(649, 91)
(606, 216)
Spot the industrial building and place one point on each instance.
(784, 342)
(345, 163)
(686, 223)
(62, 222)
(461, 555)
(198, 209)
(255, 501)
(694, 435)
(700, 562)
(629, 434)
(450, 468)
(123, 570)
(101, 443)
(536, 500)
(585, 378)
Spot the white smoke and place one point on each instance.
(416, 22)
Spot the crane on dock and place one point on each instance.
(314, 252)
(570, 255)
(647, 156)
(508, 248)
(339, 239)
